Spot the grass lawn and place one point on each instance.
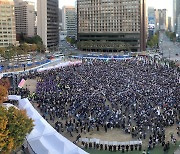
(157, 150)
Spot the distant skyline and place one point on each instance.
(159, 4)
(162, 4)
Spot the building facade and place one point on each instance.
(7, 23)
(169, 24)
(176, 13)
(60, 16)
(112, 21)
(161, 19)
(178, 27)
(48, 22)
(25, 17)
(151, 16)
(151, 22)
(69, 21)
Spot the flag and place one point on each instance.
(21, 84)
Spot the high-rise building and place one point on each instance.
(178, 26)
(113, 20)
(69, 21)
(60, 15)
(151, 21)
(161, 19)
(176, 13)
(151, 16)
(60, 24)
(48, 22)
(35, 27)
(169, 24)
(25, 17)
(7, 23)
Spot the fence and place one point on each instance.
(21, 66)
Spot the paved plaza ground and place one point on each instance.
(111, 135)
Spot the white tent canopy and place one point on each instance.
(14, 97)
(44, 139)
(64, 64)
(41, 128)
(25, 104)
(33, 113)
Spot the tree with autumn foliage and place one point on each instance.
(14, 123)
(3, 94)
(4, 86)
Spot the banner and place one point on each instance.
(21, 84)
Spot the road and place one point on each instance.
(170, 50)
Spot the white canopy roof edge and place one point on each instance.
(44, 139)
(14, 97)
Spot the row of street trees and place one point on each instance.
(171, 35)
(71, 40)
(153, 41)
(33, 44)
(14, 123)
(103, 46)
(31, 40)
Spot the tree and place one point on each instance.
(34, 40)
(5, 83)
(4, 86)
(71, 40)
(68, 39)
(2, 50)
(14, 126)
(3, 94)
(103, 45)
(14, 123)
(171, 35)
(153, 42)
(25, 47)
(33, 47)
(40, 47)
(8, 54)
(21, 38)
(30, 40)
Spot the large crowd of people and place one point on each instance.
(138, 96)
